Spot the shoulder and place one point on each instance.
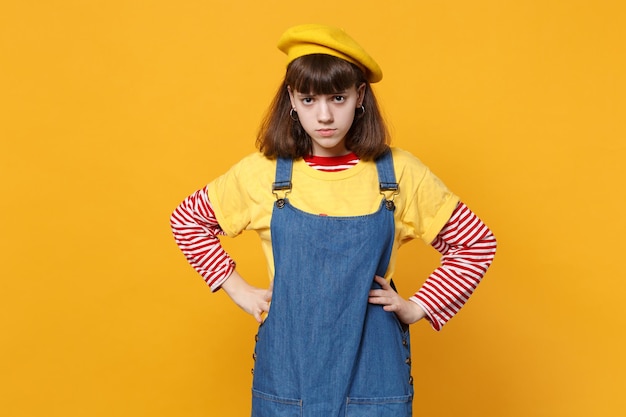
(414, 174)
(252, 167)
(425, 202)
(254, 160)
(249, 172)
(407, 164)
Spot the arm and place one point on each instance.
(468, 248)
(196, 232)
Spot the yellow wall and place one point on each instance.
(111, 112)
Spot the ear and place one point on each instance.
(360, 91)
(291, 97)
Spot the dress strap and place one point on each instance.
(282, 182)
(387, 179)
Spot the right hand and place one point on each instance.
(254, 301)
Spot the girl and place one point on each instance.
(332, 204)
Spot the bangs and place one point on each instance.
(322, 74)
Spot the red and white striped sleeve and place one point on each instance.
(468, 248)
(196, 233)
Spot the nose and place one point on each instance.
(324, 113)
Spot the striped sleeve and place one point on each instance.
(468, 248)
(196, 232)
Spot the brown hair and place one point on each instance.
(281, 136)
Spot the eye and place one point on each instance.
(339, 99)
(307, 100)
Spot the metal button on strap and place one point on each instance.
(408, 361)
(404, 342)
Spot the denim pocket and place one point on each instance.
(266, 405)
(400, 406)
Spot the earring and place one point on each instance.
(362, 110)
(293, 114)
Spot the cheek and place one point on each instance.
(347, 117)
(304, 116)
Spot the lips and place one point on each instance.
(326, 132)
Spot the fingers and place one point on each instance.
(257, 303)
(385, 289)
(385, 296)
(261, 312)
(383, 282)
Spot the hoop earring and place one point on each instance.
(362, 110)
(293, 114)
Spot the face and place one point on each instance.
(327, 118)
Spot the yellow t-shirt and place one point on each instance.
(242, 198)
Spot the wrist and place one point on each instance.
(233, 283)
(418, 312)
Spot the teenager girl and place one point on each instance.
(332, 203)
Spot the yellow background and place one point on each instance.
(111, 112)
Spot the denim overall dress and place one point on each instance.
(323, 350)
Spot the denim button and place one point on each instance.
(408, 361)
(254, 356)
(410, 380)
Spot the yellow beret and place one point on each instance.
(321, 39)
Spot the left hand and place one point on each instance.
(407, 311)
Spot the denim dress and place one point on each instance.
(323, 350)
